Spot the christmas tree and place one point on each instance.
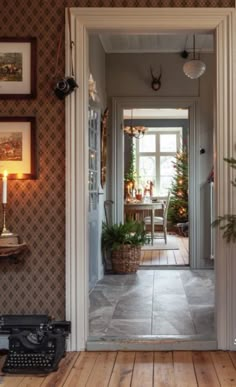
(178, 209)
(131, 174)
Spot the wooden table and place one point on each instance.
(137, 207)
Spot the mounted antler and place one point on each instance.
(156, 82)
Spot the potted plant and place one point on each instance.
(124, 241)
(227, 222)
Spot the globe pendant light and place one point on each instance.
(194, 68)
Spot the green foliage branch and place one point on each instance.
(227, 222)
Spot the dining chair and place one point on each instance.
(160, 219)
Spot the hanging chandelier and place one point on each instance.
(135, 131)
(194, 68)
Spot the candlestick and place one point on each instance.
(4, 187)
(5, 231)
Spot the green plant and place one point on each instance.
(128, 233)
(227, 222)
(178, 208)
(131, 174)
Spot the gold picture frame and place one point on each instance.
(18, 147)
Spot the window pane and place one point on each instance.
(167, 166)
(147, 172)
(92, 159)
(165, 184)
(167, 172)
(147, 166)
(168, 143)
(147, 143)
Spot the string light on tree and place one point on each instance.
(178, 209)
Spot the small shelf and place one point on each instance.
(12, 250)
(12, 246)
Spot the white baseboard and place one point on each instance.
(155, 343)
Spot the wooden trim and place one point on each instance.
(137, 20)
(225, 147)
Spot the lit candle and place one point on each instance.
(4, 187)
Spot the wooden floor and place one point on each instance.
(167, 257)
(136, 369)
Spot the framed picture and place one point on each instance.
(17, 147)
(17, 68)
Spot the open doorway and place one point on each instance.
(152, 302)
(78, 116)
(155, 166)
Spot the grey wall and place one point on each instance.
(207, 88)
(128, 75)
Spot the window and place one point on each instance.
(155, 153)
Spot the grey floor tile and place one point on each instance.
(172, 323)
(112, 279)
(133, 308)
(188, 275)
(162, 286)
(158, 302)
(170, 302)
(168, 275)
(203, 319)
(110, 293)
(99, 321)
(200, 292)
(129, 327)
(98, 300)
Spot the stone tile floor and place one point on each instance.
(153, 302)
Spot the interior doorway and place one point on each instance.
(189, 127)
(156, 165)
(154, 303)
(223, 131)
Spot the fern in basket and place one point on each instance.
(129, 233)
(227, 223)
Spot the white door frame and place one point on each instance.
(220, 20)
(190, 103)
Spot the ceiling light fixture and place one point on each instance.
(134, 131)
(194, 68)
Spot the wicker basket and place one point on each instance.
(126, 259)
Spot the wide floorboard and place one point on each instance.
(175, 257)
(135, 369)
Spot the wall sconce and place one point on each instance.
(194, 68)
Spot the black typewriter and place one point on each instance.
(36, 344)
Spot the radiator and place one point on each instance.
(212, 218)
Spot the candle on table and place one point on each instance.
(4, 187)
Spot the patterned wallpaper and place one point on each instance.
(37, 207)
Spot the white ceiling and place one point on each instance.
(152, 43)
(155, 113)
